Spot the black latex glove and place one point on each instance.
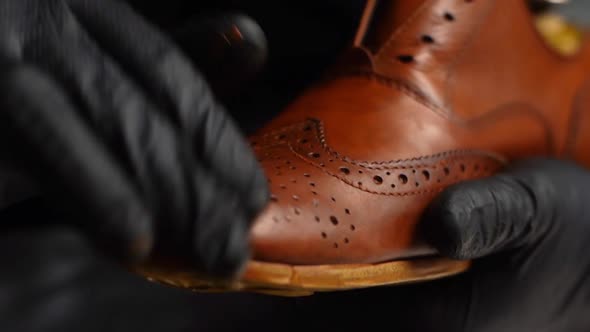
(528, 230)
(532, 225)
(117, 126)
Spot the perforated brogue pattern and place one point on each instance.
(307, 141)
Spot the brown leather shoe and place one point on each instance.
(433, 92)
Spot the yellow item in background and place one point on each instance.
(564, 37)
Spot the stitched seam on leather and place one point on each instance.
(406, 193)
(396, 194)
(399, 84)
(405, 88)
(450, 73)
(413, 93)
(460, 53)
(382, 165)
(432, 161)
(320, 135)
(490, 115)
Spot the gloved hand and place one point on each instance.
(528, 231)
(117, 127)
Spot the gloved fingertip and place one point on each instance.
(448, 224)
(128, 235)
(259, 196)
(140, 247)
(237, 253)
(142, 240)
(224, 257)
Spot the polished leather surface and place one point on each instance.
(433, 92)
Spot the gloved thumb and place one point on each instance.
(481, 217)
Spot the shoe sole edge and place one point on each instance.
(302, 280)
